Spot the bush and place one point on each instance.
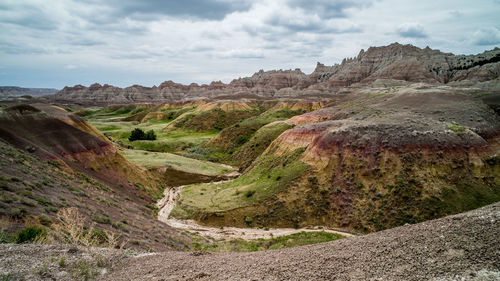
(249, 193)
(101, 220)
(249, 221)
(29, 234)
(138, 134)
(150, 135)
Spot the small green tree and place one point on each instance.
(137, 134)
(150, 135)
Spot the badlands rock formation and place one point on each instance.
(394, 64)
(376, 158)
(56, 135)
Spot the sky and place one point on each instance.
(60, 43)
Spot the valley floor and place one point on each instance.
(167, 204)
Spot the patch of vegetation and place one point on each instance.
(249, 193)
(293, 240)
(232, 138)
(233, 194)
(173, 113)
(456, 128)
(101, 219)
(214, 119)
(155, 159)
(493, 160)
(138, 134)
(29, 234)
(152, 208)
(254, 147)
(6, 237)
(112, 111)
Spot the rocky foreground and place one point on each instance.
(451, 248)
(458, 247)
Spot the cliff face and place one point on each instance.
(412, 64)
(394, 63)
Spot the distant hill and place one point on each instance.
(13, 91)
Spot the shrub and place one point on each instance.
(100, 219)
(249, 221)
(99, 236)
(249, 193)
(70, 228)
(29, 234)
(45, 220)
(138, 134)
(62, 261)
(150, 135)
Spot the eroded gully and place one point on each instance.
(171, 195)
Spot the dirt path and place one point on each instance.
(167, 204)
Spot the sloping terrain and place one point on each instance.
(53, 160)
(54, 134)
(376, 158)
(241, 143)
(215, 116)
(34, 190)
(455, 247)
(459, 247)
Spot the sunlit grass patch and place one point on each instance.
(157, 159)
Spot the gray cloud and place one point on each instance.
(411, 30)
(203, 9)
(144, 42)
(330, 8)
(28, 16)
(16, 49)
(486, 36)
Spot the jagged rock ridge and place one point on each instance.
(404, 63)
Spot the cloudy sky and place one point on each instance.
(123, 42)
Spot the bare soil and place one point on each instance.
(459, 247)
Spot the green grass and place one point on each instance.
(456, 128)
(271, 175)
(113, 111)
(172, 141)
(258, 143)
(293, 240)
(214, 119)
(231, 139)
(159, 159)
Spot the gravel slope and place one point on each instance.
(459, 247)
